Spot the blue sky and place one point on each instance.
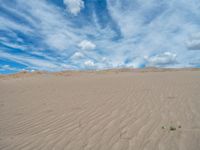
(55, 35)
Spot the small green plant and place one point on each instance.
(163, 127)
(172, 128)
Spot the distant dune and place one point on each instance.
(122, 109)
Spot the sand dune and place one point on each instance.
(107, 110)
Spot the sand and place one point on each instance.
(105, 110)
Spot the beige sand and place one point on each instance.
(106, 110)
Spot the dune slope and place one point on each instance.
(101, 111)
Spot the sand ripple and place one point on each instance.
(108, 111)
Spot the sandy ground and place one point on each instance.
(107, 110)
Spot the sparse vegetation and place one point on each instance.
(172, 128)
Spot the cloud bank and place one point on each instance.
(161, 60)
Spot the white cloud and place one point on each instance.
(161, 60)
(104, 59)
(55, 31)
(89, 63)
(77, 55)
(9, 25)
(144, 28)
(86, 45)
(74, 6)
(7, 67)
(58, 41)
(194, 42)
(32, 62)
(149, 27)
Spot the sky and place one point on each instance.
(57, 35)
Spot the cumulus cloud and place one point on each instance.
(77, 55)
(89, 63)
(104, 59)
(74, 6)
(86, 45)
(161, 60)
